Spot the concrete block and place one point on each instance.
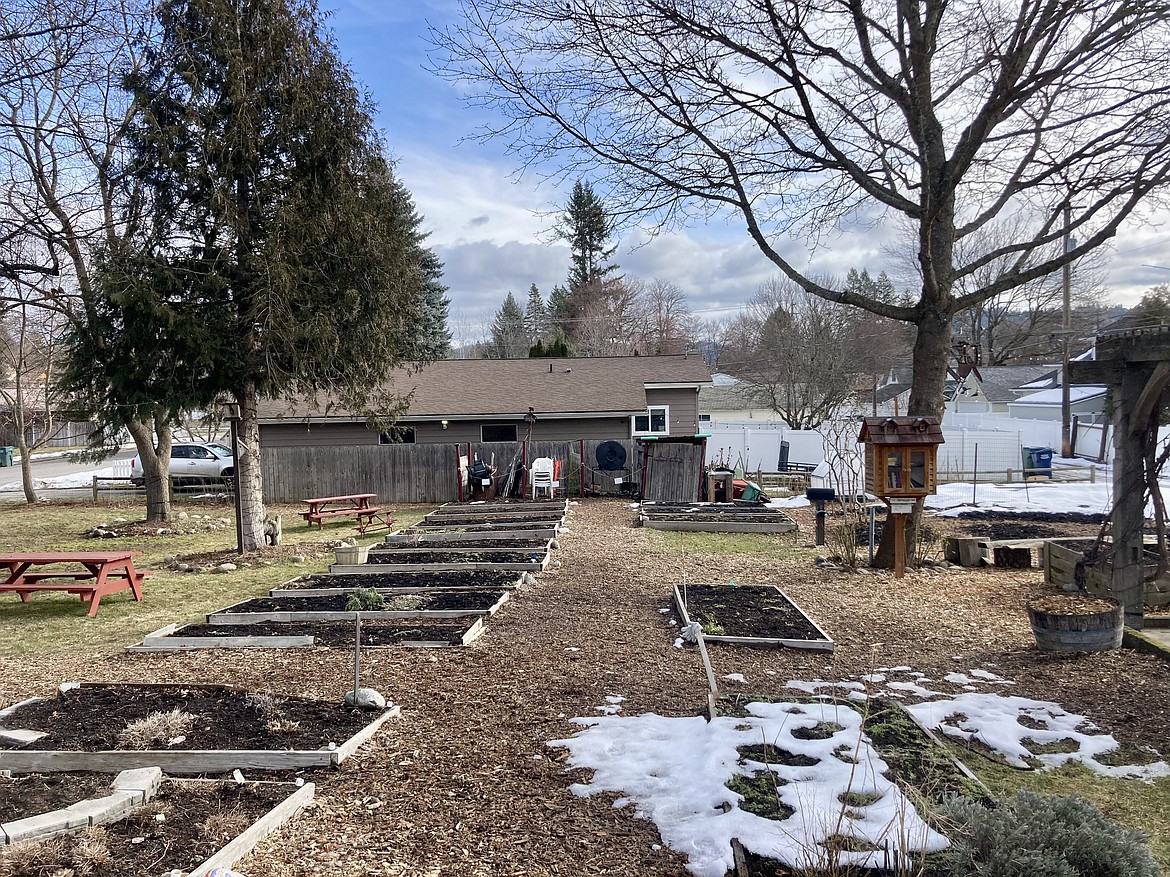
(44, 825)
(144, 780)
(17, 737)
(99, 811)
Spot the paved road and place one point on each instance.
(54, 467)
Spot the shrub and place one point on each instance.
(364, 600)
(1035, 836)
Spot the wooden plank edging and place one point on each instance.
(350, 746)
(825, 644)
(267, 824)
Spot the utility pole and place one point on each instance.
(1066, 326)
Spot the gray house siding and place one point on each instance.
(684, 408)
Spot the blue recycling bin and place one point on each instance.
(6, 452)
(1042, 462)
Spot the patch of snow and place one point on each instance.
(737, 678)
(675, 771)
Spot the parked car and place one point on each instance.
(192, 461)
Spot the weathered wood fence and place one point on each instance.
(430, 472)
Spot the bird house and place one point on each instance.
(901, 455)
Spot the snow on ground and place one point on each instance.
(77, 479)
(675, 771)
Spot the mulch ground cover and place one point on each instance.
(408, 602)
(454, 556)
(92, 718)
(178, 829)
(463, 783)
(479, 578)
(339, 634)
(746, 610)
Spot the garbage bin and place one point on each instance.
(6, 455)
(1042, 459)
(1037, 462)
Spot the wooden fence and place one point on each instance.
(429, 472)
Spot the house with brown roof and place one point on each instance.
(488, 400)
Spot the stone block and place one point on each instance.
(99, 811)
(44, 825)
(143, 780)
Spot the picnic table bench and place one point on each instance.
(357, 505)
(102, 573)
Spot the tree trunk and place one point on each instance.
(932, 346)
(251, 498)
(26, 476)
(155, 460)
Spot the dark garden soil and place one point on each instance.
(518, 544)
(437, 528)
(746, 610)
(734, 510)
(1021, 525)
(198, 819)
(91, 718)
(22, 796)
(457, 557)
(339, 634)
(448, 600)
(479, 578)
(495, 522)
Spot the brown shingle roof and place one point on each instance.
(497, 387)
(901, 431)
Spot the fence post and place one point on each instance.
(1092, 474)
(95, 481)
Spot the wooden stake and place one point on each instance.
(899, 546)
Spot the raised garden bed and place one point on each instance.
(308, 634)
(329, 583)
(459, 538)
(534, 529)
(498, 543)
(218, 729)
(197, 817)
(1060, 568)
(487, 509)
(530, 520)
(915, 759)
(331, 607)
(757, 615)
(439, 561)
(715, 518)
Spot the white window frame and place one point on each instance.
(649, 414)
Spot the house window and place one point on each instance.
(704, 418)
(656, 421)
(498, 432)
(402, 436)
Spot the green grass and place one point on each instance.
(52, 623)
(783, 546)
(1130, 803)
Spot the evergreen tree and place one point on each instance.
(536, 351)
(589, 231)
(559, 313)
(278, 234)
(559, 346)
(509, 333)
(536, 315)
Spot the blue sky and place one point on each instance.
(493, 231)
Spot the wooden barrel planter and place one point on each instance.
(1076, 623)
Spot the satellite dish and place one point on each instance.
(611, 456)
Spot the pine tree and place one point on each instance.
(509, 333)
(278, 234)
(559, 313)
(536, 315)
(588, 230)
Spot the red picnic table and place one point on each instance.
(352, 504)
(101, 573)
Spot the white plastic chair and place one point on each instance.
(541, 476)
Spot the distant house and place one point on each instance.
(988, 389)
(730, 400)
(487, 400)
(1085, 402)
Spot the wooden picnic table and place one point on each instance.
(356, 505)
(101, 573)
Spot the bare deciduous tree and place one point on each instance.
(797, 350)
(805, 118)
